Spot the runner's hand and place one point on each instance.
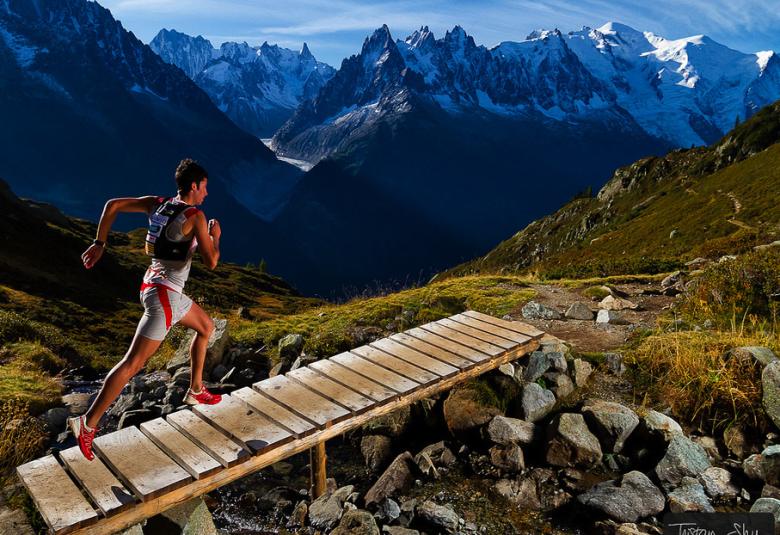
(214, 229)
(92, 255)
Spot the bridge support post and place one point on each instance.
(317, 470)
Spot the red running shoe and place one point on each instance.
(205, 397)
(84, 437)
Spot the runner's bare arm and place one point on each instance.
(208, 239)
(110, 211)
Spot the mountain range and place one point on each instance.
(259, 88)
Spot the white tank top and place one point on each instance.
(172, 273)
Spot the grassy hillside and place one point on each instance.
(657, 213)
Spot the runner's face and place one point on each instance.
(201, 191)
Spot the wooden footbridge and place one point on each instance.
(141, 471)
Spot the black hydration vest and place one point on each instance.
(158, 244)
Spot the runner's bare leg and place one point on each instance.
(197, 319)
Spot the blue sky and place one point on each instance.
(335, 29)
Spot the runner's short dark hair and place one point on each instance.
(189, 172)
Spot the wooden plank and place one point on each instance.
(449, 345)
(228, 452)
(397, 382)
(278, 414)
(332, 390)
(489, 327)
(223, 477)
(253, 431)
(103, 487)
(478, 334)
(301, 400)
(415, 357)
(463, 339)
(139, 463)
(55, 495)
(433, 351)
(194, 460)
(415, 373)
(517, 326)
(354, 381)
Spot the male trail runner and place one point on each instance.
(176, 229)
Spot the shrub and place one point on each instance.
(22, 436)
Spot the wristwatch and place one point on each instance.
(99, 242)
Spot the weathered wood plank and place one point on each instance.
(275, 412)
(463, 339)
(55, 495)
(228, 452)
(377, 356)
(433, 351)
(103, 487)
(139, 463)
(447, 344)
(181, 449)
(250, 429)
(517, 326)
(301, 400)
(354, 381)
(223, 477)
(415, 357)
(489, 327)
(478, 334)
(330, 389)
(397, 382)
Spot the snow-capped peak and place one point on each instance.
(305, 54)
(763, 57)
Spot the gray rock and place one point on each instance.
(135, 417)
(559, 384)
(376, 450)
(508, 458)
(522, 492)
(387, 511)
(55, 418)
(611, 317)
(14, 522)
(770, 383)
(440, 454)
(77, 403)
(356, 522)
(611, 422)
(438, 516)
(298, 515)
(689, 496)
(276, 369)
(660, 425)
(612, 302)
(770, 464)
(570, 442)
(426, 465)
(557, 361)
(219, 371)
(672, 279)
(192, 517)
(397, 476)
(582, 370)
(580, 311)
(303, 360)
(290, 348)
(633, 498)
(536, 402)
(505, 431)
(753, 467)
(538, 364)
(325, 511)
(537, 311)
(124, 403)
(718, 484)
(507, 369)
(683, 458)
(215, 351)
(768, 505)
(758, 354)
(614, 363)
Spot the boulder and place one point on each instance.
(753, 467)
(290, 348)
(191, 517)
(387, 511)
(689, 497)
(611, 302)
(356, 522)
(376, 450)
(582, 370)
(77, 403)
(660, 426)
(683, 458)
(768, 505)
(770, 464)
(580, 311)
(440, 454)
(538, 364)
(507, 369)
(466, 410)
(325, 511)
(55, 418)
(505, 431)
(672, 279)
(570, 442)
(770, 384)
(537, 311)
(438, 516)
(426, 465)
(397, 476)
(611, 422)
(536, 402)
(559, 384)
(610, 316)
(215, 351)
(719, 484)
(393, 424)
(634, 497)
